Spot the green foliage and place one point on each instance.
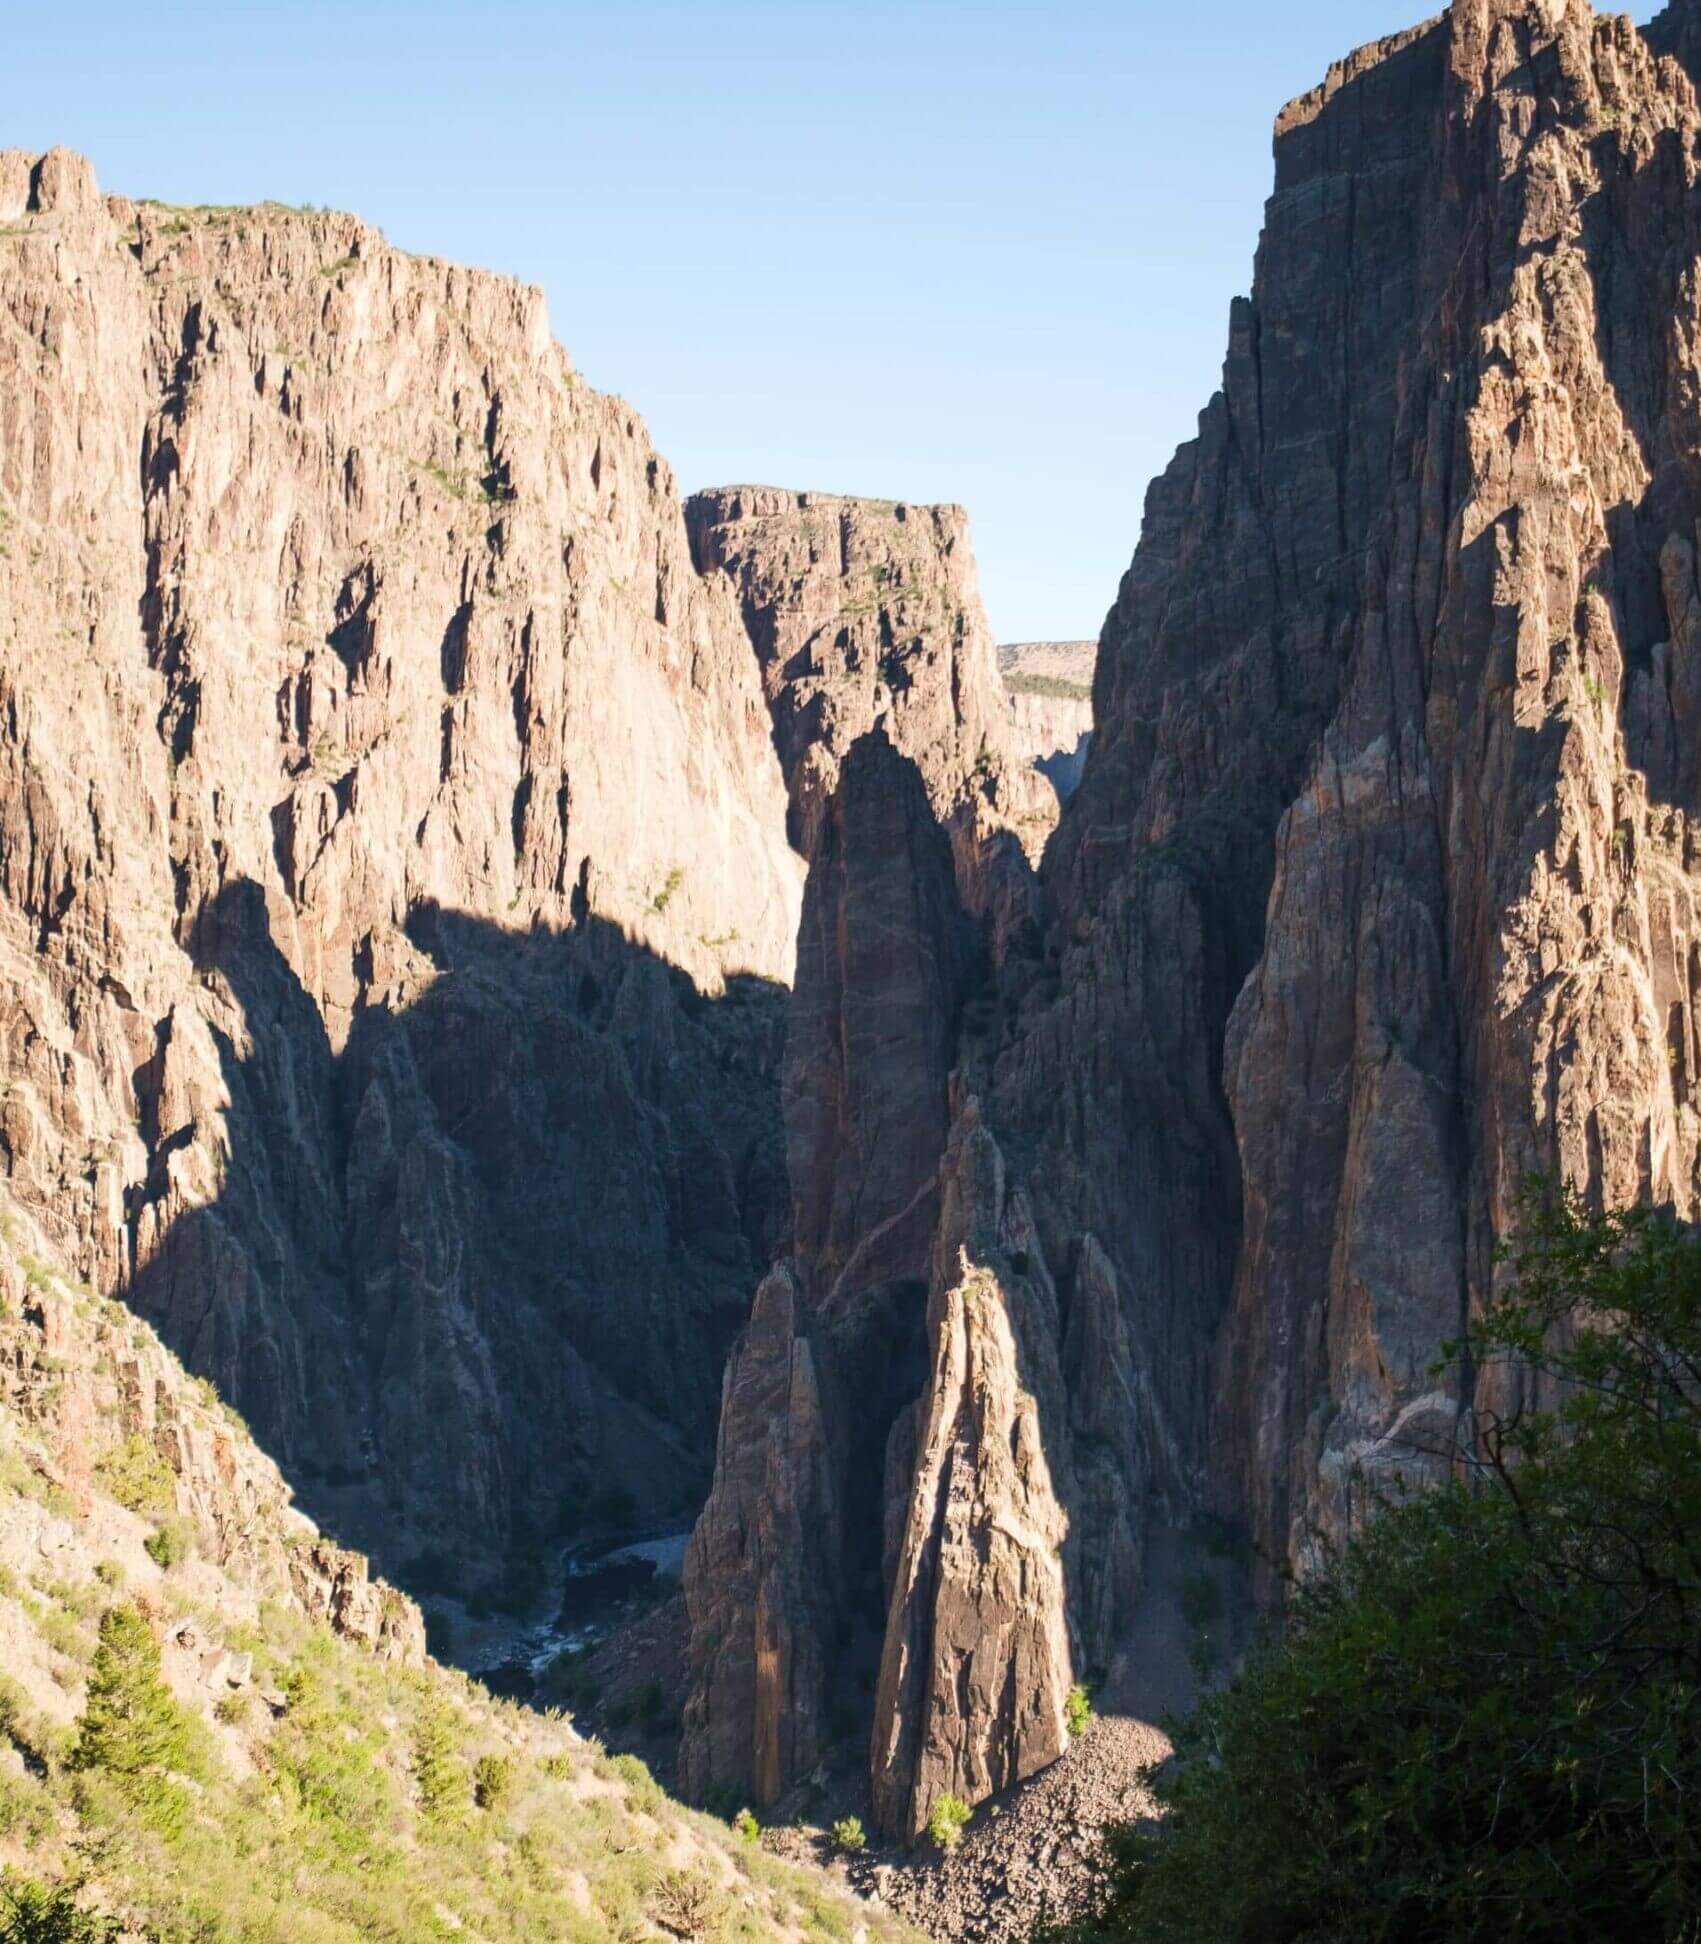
(329, 1763)
(1485, 1718)
(849, 1836)
(137, 1476)
(133, 1729)
(37, 1913)
(110, 1572)
(748, 1828)
(947, 1820)
(1078, 1710)
(643, 1792)
(14, 1706)
(1058, 686)
(170, 1544)
(569, 1683)
(493, 1782)
(438, 1771)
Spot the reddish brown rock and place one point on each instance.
(761, 1573)
(976, 1668)
(1378, 869)
(388, 818)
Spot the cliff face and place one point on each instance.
(1377, 893)
(862, 611)
(1050, 685)
(395, 895)
(388, 816)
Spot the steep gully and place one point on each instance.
(399, 881)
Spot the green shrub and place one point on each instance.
(170, 1544)
(947, 1820)
(14, 1706)
(35, 1913)
(329, 1762)
(748, 1828)
(132, 1729)
(643, 1792)
(63, 1634)
(493, 1782)
(110, 1572)
(1484, 1720)
(613, 1506)
(137, 1476)
(1078, 1710)
(849, 1836)
(1201, 1599)
(233, 1709)
(438, 1771)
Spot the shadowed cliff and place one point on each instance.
(476, 1273)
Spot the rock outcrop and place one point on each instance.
(103, 1435)
(976, 1668)
(835, 1350)
(1378, 891)
(1050, 685)
(865, 611)
(1376, 895)
(388, 818)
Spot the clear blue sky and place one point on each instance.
(926, 251)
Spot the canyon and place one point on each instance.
(583, 1010)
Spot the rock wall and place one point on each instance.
(388, 811)
(1377, 893)
(1050, 686)
(835, 1352)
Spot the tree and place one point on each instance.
(133, 1729)
(34, 1913)
(438, 1770)
(1484, 1720)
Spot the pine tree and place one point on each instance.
(133, 1728)
(437, 1768)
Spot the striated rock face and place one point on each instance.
(835, 1350)
(864, 611)
(1377, 892)
(976, 1668)
(388, 816)
(760, 1578)
(867, 612)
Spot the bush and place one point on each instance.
(329, 1762)
(1485, 1718)
(686, 1906)
(1078, 1710)
(849, 1836)
(748, 1828)
(138, 1477)
(132, 1728)
(493, 1781)
(170, 1544)
(14, 1707)
(947, 1820)
(32, 1913)
(438, 1771)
